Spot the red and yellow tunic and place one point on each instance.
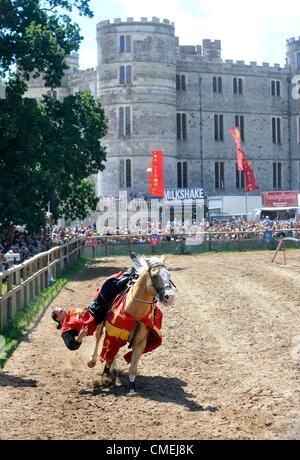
(119, 325)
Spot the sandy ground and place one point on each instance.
(227, 367)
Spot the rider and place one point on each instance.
(77, 324)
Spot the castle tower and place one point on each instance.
(136, 84)
(293, 53)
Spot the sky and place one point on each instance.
(254, 30)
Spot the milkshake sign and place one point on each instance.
(185, 194)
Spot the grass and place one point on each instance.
(25, 319)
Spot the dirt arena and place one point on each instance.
(228, 367)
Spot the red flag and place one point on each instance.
(249, 175)
(236, 134)
(156, 186)
(242, 163)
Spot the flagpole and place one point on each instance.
(246, 201)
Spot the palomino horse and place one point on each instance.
(139, 307)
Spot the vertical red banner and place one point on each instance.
(156, 186)
(235, 132)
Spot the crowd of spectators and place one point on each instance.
(17, 245)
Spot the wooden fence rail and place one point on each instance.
(26, 280)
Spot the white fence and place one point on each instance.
(26, 280)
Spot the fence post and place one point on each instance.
(238, 242)
(209, 242)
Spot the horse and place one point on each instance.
(138, 310)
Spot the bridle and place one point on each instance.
(159, 292)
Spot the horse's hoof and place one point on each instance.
(132, 393)
(92, 363)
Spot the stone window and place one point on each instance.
(182, 179)
(219, 175)
(298, 130)
(219, 127)
(276, 130)
(122, 174)
(277, 175)
(217, 85)
(125, 174)
(238, 86)
(181, 126)
(125, 75)
(180, 83)
(240, 123)
(240, 178)
(298, 61)
(275, 88)
(125, 44)
(124, 121)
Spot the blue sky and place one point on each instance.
(253, 30)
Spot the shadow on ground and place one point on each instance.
(7, 380)
(160, 389)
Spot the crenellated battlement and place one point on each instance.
(293, 41)
(131, 20)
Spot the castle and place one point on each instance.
(183, 100)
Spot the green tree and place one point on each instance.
(48, 148)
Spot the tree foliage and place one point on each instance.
(47, 148)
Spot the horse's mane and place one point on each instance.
(141, 263)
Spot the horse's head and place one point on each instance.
(158, 282)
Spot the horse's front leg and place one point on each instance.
(137, 351)
(93, 359)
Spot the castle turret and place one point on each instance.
(136, 85)
(293, 53)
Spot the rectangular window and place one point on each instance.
(182, 179)
(184, 175)
(128, 43)
(122, 75)
(122, 174)
(217, 85)
(124, 121)
(183, 86)
(240, 178)
(125, 75)
(178, 126)
(219, 127)
(122, 44)
(125, 174)
(238, 87)
(278, 88)
(181, 126)
(276, 130)
(128, 75)
(179, 175)
(180, 83)
(219, 175)
(125, 43)
(298, 60)
(128, 173)
(277, 175)
(239, 122)
(298, 129)
(275, 88)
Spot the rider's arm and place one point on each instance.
(69, 339)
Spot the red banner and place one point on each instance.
(242, 163)
(249, 176)
(279, 199)
(235, 132)
(156, 186)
